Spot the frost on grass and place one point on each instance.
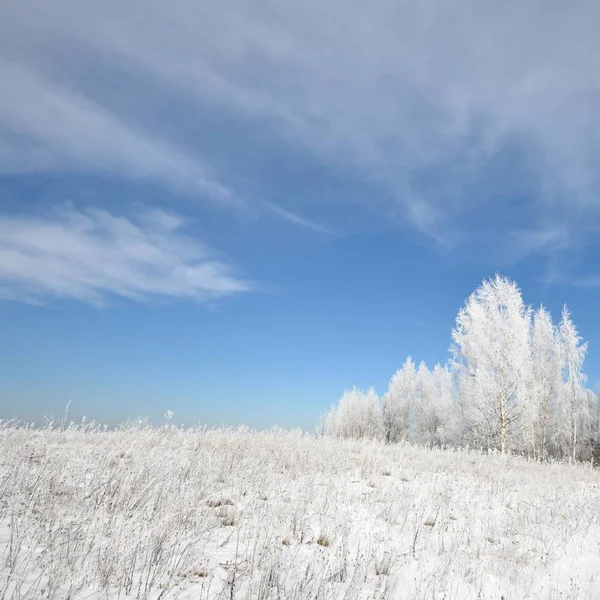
(218, 514)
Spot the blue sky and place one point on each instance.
(237, 212)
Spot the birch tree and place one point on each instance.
(491, 345)
(357, 415)
(427, 416)
(442, 382)
(398, 406)
(373, 416)
(574, 351)
(545, 383)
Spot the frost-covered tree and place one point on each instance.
(589, 445)
(357, 415)
(491, 353)
(447, 422)
(514, 382)
(373, 416)
(398, 404)
(545, 383)
(575, 395)
(595, 425)
(427, 408)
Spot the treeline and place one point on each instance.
(514, 382)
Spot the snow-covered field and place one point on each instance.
(200, 514)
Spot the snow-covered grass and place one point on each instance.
(147, 512)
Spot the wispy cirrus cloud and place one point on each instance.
(422, 100)
(49, 127)
(297, 219)
(93, 256)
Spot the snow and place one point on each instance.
(207, 514)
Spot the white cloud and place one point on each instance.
(396, 90)
(93, 255)
(297, 219)
(543, 240)
(50, 127)
(592, 281)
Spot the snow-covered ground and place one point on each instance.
(201, 514)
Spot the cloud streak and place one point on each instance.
(93, 256)
(297, 219)
(48, 127)
(417, 98)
